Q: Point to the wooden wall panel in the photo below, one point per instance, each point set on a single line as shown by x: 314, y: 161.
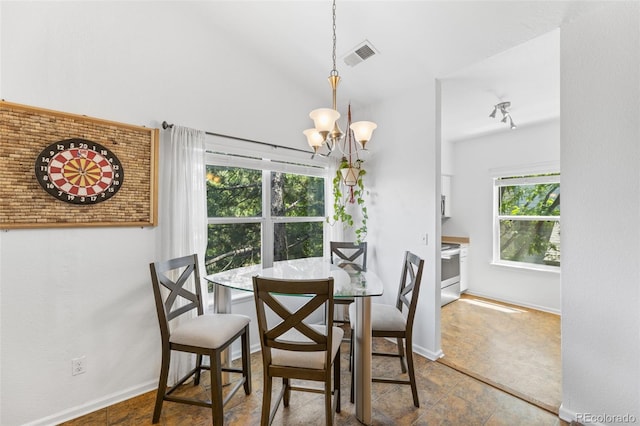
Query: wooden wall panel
x: 25, y: 131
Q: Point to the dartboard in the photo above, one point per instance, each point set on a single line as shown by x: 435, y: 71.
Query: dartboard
x: 79, y: 171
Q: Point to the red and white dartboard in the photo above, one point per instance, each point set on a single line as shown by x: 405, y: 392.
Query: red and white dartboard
x: 79, y: 171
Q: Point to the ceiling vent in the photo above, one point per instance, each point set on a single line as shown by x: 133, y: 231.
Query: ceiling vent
x: 360, y: 53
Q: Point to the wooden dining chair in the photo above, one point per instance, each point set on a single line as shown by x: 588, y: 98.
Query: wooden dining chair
x: 348, y: 255
x: 198, y: 333
x: 389, y: 321
x: 292, y: 348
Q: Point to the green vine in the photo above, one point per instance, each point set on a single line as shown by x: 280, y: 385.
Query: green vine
x: 350, y: 195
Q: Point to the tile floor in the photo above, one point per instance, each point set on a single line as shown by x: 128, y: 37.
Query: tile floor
x: 447, y: 397
x: 513, y: 348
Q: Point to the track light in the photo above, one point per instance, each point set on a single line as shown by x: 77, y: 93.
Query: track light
x: 506, y: 116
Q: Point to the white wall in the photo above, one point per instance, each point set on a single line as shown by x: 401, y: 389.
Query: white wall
x: 122, y: 61
x: 475, y: 161
x: 600, y: 109
x: 73, y: 292
x: 403, y: 174
x: 447, y: 161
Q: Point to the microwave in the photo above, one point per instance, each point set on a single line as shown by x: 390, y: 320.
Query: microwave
x: 444, y: 208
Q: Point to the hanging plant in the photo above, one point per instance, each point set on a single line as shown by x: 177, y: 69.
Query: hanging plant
x: 348, y: 188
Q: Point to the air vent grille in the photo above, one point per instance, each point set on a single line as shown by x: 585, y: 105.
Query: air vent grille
x: 360, y: 53
x: 365, y: 51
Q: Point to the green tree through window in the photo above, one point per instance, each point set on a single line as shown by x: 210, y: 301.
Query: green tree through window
x: 297, y: 196
x: 239, y: 223
x: 529, y: 219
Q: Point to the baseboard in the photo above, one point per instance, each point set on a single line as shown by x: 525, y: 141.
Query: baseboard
x: 430, y: 355
x: 512, y: 302
x: 566, y: 414
x: 575, y: 418
x: 96, y: 404
x: 114, y: 398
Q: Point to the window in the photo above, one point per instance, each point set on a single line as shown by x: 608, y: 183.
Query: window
x: 527, y: 221
x: 234, y: 208
x: 260, y: 211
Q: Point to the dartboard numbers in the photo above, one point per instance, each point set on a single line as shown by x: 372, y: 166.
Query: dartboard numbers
x: 79, y: 171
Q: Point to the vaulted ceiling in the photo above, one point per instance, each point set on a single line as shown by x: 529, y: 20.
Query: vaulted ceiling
x: 483, y: 51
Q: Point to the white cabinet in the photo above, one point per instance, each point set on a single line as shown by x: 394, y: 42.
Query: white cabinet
x: 464, y: 269
x: 445, y: 206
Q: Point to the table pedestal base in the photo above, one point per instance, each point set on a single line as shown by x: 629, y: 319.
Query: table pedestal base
x: 362, y: 359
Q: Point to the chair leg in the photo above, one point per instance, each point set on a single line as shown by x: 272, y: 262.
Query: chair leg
x: 403, y: 362
x: 350, y: 349
x: 351, y: 398
x: 196, y: 378
x: 162, y: 384
x: 328, y: 405
x: 246, y: 361
x: 216, y: 388
x: 412, y: 374
x: 336, y: 381
x: 266, y: 399
x: 286, y: 385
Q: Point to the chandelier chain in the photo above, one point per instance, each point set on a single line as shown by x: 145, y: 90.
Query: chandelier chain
x: 326, y: 130
x: 334, y: 71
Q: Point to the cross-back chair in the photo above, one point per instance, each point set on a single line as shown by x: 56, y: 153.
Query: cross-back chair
x: 390, y: 321
x: 197, y: 333
x: 348, y: 255
x: 292, y: 347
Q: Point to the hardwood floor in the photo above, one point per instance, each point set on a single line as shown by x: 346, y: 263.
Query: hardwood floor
x: 513, y: 348
x: 447, y: 397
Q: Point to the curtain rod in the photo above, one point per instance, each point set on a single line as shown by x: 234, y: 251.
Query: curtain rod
x: 166, y: 125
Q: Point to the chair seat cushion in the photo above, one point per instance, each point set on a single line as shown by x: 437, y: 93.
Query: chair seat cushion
x: 313, y: 360
x: 383, y: 317
x: 208, y: 331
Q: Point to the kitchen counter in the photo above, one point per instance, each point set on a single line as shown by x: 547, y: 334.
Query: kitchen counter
x: 458, y: 240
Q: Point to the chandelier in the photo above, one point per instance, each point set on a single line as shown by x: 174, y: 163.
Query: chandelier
x: 326, y: 130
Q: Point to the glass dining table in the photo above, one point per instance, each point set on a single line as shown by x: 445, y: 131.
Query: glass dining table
x: 348, y: 283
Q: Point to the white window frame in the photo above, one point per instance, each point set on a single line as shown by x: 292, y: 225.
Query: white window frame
x: 524, y: 177
x: 222, y: 153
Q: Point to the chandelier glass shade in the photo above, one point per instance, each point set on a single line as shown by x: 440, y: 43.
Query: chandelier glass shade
x: 362, y: 131
x: 324, y: 120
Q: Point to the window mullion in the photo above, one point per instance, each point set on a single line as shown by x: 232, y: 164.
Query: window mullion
x: 294, y: 219
x: 536, y: 218
x: 233, y: 220
x: 267, y: 224
x: 529, y: 180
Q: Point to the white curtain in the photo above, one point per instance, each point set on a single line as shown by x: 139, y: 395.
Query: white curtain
x: 183, y: 206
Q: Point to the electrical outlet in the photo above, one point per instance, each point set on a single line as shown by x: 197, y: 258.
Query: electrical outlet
x: 78, y: 366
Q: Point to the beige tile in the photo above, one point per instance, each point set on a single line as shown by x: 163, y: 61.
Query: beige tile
x: 517, y: 350
x: 447, y: 396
